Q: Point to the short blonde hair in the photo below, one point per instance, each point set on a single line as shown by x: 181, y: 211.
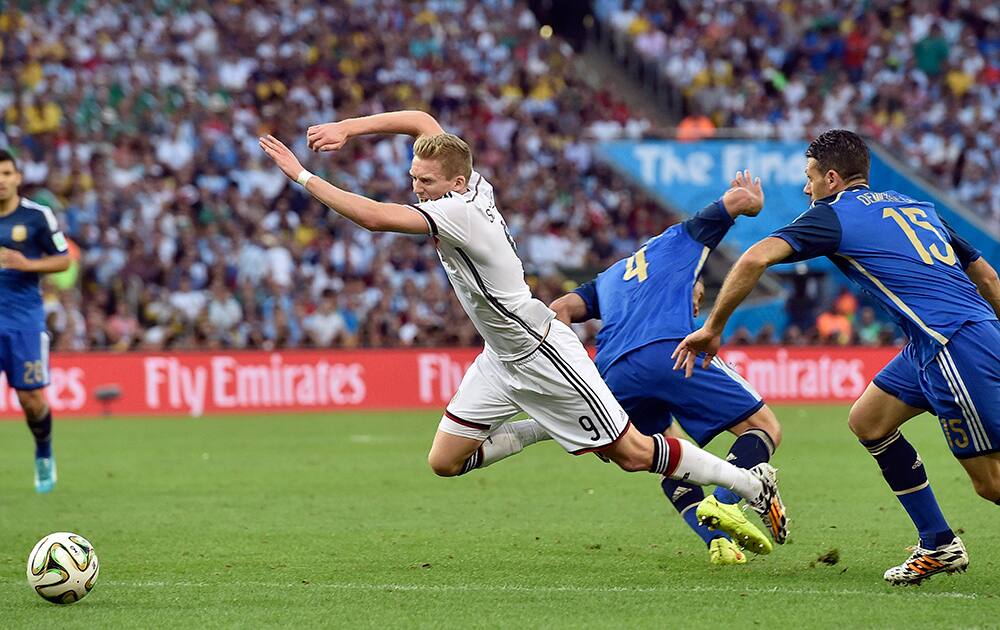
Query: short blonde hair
x: 453, y: 153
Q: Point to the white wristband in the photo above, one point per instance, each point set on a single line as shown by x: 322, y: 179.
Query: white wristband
x: 304, y: 177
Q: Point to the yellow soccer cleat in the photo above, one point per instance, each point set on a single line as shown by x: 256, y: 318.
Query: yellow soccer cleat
x: 730, y: 519
x: 724, y: 551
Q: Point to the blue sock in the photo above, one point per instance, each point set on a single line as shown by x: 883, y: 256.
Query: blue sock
x: 751, y: 448
x: 42, y: 430
x: 685, y: 497
x: 905, y: 474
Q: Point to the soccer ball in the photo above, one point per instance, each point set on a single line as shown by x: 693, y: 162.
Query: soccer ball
x: 62, y: 567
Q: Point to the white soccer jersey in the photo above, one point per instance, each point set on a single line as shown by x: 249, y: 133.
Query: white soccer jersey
x: 480, y: 258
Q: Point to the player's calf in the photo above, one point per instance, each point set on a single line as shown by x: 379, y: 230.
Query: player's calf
x: 904, y: 471
x: 39, y: 419
x: 679, y: 459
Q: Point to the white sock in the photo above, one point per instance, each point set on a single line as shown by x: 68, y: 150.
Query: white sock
x: 702, y: 468
x: 510, y: 439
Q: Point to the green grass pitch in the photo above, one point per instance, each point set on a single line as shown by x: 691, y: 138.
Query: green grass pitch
x: 336, y: 521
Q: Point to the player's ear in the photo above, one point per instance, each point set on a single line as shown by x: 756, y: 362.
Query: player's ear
x: 460, y: 184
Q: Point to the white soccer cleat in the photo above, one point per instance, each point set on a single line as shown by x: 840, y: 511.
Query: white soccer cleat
x: 923, y: 563
x: 768, y: 504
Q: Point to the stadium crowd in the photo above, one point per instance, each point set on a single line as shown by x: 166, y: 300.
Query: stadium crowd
x: 137, y: 122
x: 921, y: 76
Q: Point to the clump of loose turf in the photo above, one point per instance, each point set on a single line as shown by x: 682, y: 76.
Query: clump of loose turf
x: 830, y: 557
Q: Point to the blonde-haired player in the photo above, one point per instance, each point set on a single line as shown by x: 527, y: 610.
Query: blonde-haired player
x: 531, y: 361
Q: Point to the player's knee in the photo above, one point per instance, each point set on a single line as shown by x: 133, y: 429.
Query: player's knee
x: 33, y: 404
x: 443, y: 466
x: 988, y: 488
x: 862, y: 425
x: 630, y: 460
x: 630, y: 451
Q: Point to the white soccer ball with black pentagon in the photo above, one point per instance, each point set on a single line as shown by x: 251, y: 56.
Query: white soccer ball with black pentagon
x: 62, y: 567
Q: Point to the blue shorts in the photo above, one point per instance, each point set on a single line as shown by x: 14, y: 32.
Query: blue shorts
x: 961, y: 386
x: 24, y: 358
x: 652, y: 392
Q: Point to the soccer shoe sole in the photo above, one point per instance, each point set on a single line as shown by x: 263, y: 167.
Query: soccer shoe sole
x: 724, y: 552
x: 917, y: 580
x: 730, y: 519
x: 923, y: 578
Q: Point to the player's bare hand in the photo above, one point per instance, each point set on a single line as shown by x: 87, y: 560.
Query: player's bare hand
x: 327, y: 137
x: 282, y: 156
x: 686, y: 353
x: 13, y: 259
x: 745, y: 195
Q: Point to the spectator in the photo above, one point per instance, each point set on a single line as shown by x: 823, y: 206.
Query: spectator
x: 122, y: 328
x: 834, y: 328
x: 324, y: 326
x: 224, y: 313
x: 695, y: 126
x: 869, y: 330
x: 187, y: 301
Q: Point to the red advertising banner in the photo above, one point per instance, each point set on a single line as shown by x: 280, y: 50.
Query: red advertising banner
x: 197, y: 383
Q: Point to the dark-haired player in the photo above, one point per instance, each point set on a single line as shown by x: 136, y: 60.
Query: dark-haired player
x: 943, y: 295
x: 30, y: 244
x: 645, y: 302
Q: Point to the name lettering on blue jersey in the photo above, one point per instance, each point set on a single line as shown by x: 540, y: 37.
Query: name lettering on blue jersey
x: 869, y: 198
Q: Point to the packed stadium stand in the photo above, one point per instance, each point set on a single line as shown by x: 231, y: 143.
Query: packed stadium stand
x: 138, y: 123
x: 922, y: 77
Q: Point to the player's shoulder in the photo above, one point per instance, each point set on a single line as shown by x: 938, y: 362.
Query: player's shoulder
x: 43, y: 212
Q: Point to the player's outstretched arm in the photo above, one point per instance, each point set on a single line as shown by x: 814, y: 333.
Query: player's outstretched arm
x: 987, y: 282
x: 368, y: 213
x: 570, y: 308
x: 13, y: 259
x: 738, y: 284
x: 334, y: 135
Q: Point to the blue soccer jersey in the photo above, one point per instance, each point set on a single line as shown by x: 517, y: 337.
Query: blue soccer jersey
x: 645, y: 302
x: 31, y: 229
x: 648, y: 297
x: 901, y: 253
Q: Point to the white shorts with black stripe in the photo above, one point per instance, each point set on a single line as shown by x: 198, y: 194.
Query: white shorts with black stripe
x: 557, y: 385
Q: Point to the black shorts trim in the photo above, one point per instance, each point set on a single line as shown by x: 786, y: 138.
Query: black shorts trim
x: 467, y: 423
